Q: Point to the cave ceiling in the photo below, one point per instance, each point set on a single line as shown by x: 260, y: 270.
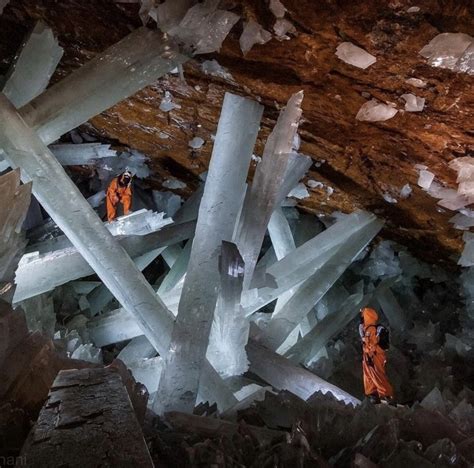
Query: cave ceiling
x: 360, y: 161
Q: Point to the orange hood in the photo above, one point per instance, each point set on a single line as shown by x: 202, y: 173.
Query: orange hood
x: 370, y: 316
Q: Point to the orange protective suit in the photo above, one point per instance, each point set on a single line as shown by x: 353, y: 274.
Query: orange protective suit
x: 116, y: 194
x: 374, y: 359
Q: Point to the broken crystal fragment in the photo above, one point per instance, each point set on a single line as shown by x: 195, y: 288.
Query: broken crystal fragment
x: 170, y: 13
x: 413, y: 9
x: 167, y: 103
x: 212, y: 67
x: 314, y: 184
x: 416, y: 82
x: 465, y: 63
x: 277, y: 8
x: 282, y: 27
x: 375, y: 111
x: 223, y: 194
x: 299, y: 192
x: 167, y: 202
x: 464, y: 166
x: 413, y: 103
x: 196, y: 143
x: 204, y: 27
x: 253, y: 34
x: 354, y: 55
x: 33, y: 66
x: 425, y: 179
x: 405, y: 191
x: 88, y: 352
x: 174, y: 184
x: 388, y: 198
x: 446, y: 49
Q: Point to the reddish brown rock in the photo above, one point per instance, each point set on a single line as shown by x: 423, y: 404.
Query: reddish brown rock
x: 363, y: 160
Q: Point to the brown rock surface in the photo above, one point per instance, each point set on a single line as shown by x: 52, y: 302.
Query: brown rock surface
x: 362, y: 160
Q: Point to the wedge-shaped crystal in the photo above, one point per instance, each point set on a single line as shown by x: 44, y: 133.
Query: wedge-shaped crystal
x: 354, y: 55
x: 33, y: 66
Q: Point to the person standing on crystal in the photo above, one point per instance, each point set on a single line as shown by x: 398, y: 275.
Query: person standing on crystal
x: 376, y: 384
x: 119, y: 191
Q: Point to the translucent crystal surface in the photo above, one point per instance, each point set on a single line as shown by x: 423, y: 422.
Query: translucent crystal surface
x: 413, y: 103
x: 450, y: 50
x: 230, y: 328
x: 49, y: 265
x: 33, y: 66
x: 425, y: 179
x: 83, y: 154
x: 354, y: 55
x: 123, y: 69
x: 313, y: 289
x: 266, y: 193
x: 277, y: 8
x: 375, y: 111
x: 204, y: 27
x: 253, y: 34
x: 223, y: 192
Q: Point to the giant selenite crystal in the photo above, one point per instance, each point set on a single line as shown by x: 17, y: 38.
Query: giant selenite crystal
x: 122, y: 70
x: 262, y: 197
x: 44, y: 267
x: 303, y: 262
x: 13, y: 209
x: 230, y: 328
x: 223, y: 193
x: 33, y: 66
x: 71, y: 212
x: 285, y: 320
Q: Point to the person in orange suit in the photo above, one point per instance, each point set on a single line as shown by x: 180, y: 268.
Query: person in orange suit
x: 119, y: 191
x: 376, y: 384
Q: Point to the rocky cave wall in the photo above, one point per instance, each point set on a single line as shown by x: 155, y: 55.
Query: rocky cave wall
x: 361, y: 161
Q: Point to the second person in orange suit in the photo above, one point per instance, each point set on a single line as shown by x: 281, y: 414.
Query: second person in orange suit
x: 119, y: 191
x: 376, y: 384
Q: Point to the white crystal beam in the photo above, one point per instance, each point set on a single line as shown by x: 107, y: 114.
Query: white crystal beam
x: 71, y: 212
x: 309, y: 293
x: 284, y: 375
x: 123, y: 69
x: 263, y: 196
x: 304, y: 261
x: 225, y: 185
x: 33, y: 66
x: 46, y: 268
